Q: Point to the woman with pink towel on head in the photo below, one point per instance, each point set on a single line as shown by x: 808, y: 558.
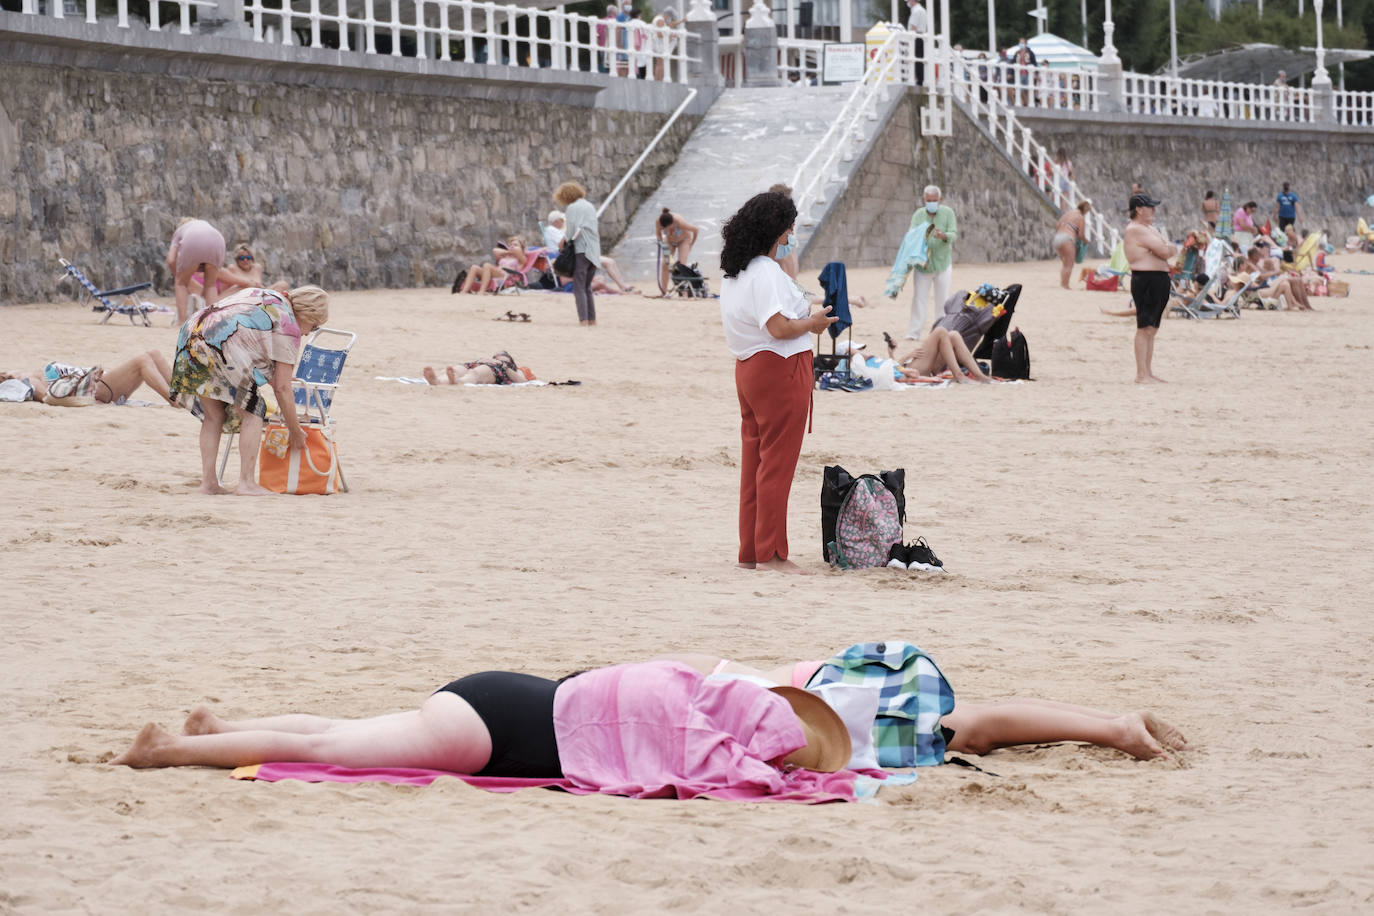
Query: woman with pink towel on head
x: 196, y: 246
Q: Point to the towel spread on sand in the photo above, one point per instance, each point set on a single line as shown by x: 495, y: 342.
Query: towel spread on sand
x: 411, y: 380
x: 861, y: 787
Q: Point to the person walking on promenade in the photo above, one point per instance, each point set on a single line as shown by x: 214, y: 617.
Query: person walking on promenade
x: 935, y: 274
x: 1148, y: 253
x: 768, y: 325
x: 579, y: 217
x: 1287, y: 210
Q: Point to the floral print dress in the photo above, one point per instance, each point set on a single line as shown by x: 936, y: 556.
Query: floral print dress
x: 226, y: 350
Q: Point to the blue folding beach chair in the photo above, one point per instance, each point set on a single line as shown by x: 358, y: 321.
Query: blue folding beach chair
x: 132, y: 305
x: 314, y: 384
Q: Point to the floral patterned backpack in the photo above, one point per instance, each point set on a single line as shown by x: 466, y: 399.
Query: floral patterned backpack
x: 868, y: 521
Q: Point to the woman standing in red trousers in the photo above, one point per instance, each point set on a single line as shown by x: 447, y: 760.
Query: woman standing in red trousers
x: 768, y: 326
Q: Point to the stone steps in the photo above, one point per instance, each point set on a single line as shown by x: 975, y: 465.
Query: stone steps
x: 748, y: 140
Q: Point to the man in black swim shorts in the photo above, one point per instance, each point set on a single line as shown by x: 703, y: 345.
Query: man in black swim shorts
x: 1147, y: 251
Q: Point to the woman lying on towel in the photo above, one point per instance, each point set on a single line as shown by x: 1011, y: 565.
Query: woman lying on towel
x: 498, y: 370
x: 662, y: 718
x: 940, y: 350
x: 113, y: 386
x: 970, y: 728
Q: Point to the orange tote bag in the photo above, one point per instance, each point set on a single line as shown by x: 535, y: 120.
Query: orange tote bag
x: 313, y: 469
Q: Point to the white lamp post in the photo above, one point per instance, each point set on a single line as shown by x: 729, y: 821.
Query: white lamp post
x: 1083, y: 11
x: 1173, y: 41
x: 1321, y: 77
x: 1340, y: 23
x: 1109, y: 55
x: 992, y: 28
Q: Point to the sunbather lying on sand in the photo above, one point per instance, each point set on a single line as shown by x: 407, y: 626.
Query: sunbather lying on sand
x: 502, y: 724
x: 980, y: 728
x: 498, y: 370
x: 940, y: 350
x: 113, y: 385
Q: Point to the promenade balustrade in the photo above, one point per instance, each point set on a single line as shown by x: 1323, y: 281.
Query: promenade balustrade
x: 464, y: 30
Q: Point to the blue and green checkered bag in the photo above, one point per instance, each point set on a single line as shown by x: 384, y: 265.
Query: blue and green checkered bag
x: 913, y: 696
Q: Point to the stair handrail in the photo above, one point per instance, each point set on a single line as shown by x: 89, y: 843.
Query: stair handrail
x: 672, y: 118
x: 1019, y: 142
x: 808, y: 182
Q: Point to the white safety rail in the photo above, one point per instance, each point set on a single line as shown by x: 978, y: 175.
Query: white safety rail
x: 801, y: 56
x: 1045, y: 87
x: 795, y: 55
x: 1355, y: 108
x: 56, y: 9
x: 477, y: 32
x: 1168, y: 97
x: 838, y: 145
x: 986, y: 106
x: 473, y: 32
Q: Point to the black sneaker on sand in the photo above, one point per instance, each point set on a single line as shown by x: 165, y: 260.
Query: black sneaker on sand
x: 897, y: 556
x: 920, y: 556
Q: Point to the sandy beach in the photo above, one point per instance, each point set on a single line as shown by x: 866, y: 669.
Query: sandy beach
x: 1200, y: 549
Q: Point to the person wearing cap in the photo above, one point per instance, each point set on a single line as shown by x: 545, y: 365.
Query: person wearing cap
x: 1148, y: 253
x: 934, y: 275
x: 650, y: 729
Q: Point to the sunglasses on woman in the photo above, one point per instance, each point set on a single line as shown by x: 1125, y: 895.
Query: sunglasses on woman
x: 244, y: 257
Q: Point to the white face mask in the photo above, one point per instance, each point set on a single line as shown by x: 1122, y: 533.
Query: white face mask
x: 932, y: 206
x: 786, y: 247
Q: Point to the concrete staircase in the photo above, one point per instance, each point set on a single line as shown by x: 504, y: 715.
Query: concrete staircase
x: 749, y: 139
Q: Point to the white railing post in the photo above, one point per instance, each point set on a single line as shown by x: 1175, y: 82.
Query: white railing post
x: 154, y: 15
x: 369, y: 27
x: 123, y: 13
x: 395, y: 28
x: 421, y: 32
x: 315, y: 24
x: 469, y: 55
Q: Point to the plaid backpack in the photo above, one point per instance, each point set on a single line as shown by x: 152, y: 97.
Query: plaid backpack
x: 913, y: 696
x: 868, y: 520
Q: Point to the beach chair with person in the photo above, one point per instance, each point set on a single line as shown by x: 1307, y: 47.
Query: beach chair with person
x: 1202, y: 303
x: 314, y: 384
x: 132, y: 303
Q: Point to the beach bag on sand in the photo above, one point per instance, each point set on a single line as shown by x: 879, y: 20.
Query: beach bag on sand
x: 566, y: 262
x: 1106, y: 284
x: 861, y: 517
x: 1011, y: 357
x: 73, y: 390
x: 313, y: 469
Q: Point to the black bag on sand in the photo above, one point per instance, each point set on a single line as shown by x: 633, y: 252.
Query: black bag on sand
x: 566, y: 262
x: 458, y: 281
x: 836, y: 484
x: 1011, y: 358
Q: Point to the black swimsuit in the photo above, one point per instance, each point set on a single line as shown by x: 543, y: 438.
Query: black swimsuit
x: 517, y: 710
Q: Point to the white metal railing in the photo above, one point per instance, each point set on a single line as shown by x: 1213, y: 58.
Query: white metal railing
x: 672, y: 119
x: 1355, y: 108
x: 1031, y: 86
x: 821, y: 166
x: 801, y: 56
x: 987, y: 106
x: 1191, y: 98
x: 467, y: 30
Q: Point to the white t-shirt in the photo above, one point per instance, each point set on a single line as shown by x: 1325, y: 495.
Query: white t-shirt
x: 747, y: 301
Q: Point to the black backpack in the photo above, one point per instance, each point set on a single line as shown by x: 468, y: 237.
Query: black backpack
x: 689, y: 281
x: 836, y: 484
x: 1011, y: 358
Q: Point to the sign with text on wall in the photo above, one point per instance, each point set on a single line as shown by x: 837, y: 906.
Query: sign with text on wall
x: 843, y: 62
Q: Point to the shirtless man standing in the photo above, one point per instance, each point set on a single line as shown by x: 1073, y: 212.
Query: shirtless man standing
x: 1147, y: 251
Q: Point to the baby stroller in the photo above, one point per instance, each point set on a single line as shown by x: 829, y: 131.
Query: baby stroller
x: 683, y: 280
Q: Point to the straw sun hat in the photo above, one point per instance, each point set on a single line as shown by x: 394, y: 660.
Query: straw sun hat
x: 827, y: 740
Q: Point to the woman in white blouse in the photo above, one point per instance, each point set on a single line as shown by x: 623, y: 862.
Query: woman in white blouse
x: 768, y: 326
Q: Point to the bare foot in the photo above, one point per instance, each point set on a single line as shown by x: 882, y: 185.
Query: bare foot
x: 212, y: 489
x: 1163, y: 732
x: 146, y: 749
x: 777, y: 564
x: 1135, y: 739
x: 430, y: 375
x: 1067, y: 286
x: 746, y: 564
x: 247, y: 488
x: 452, y: 374
x: 202, y: 721
x: 1146, y: 380
x: 1157, y: 380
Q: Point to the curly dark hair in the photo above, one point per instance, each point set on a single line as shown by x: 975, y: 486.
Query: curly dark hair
x: 753, y: 230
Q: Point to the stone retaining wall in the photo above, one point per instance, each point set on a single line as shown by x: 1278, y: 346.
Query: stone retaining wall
x: 1002, y: 217
x: 348, y: 186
